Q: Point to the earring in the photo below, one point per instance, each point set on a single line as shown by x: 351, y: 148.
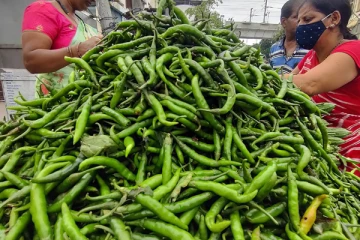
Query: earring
x: 332, y: 25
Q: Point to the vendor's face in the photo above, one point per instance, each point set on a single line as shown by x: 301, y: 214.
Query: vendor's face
x: 308, y: 14
x: 290, y: 24
x: 81, y: 5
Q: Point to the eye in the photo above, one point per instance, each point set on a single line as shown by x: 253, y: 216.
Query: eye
x: 309, y: 19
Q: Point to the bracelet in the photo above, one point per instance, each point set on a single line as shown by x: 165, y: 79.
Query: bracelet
x: 70, y: 51
x: 78, y: 53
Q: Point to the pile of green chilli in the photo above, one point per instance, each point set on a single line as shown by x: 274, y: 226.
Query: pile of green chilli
x: 172, y: 130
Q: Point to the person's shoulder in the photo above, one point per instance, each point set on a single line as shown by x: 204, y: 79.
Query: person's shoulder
x: 349, y: 47
x: 351, y: 44
x: 277, y: 44
x: 41, y: 16
x: 310, y: 53
x: 303, y: 50
x: 39, y: 6
x: 276, y: 47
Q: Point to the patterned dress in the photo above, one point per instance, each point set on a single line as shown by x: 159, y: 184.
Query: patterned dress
x: 42, y: 16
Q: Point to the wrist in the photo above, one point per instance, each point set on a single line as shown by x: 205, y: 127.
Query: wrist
x: 71, y: 51
x: 80, y: 49
x: 78, y: 53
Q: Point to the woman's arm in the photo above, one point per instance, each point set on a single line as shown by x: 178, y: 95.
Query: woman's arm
x: 336, y: 71
x: 37, y: 56
x: 296, y: 71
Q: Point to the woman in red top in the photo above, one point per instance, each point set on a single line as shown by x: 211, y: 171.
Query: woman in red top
x: 330, y: 72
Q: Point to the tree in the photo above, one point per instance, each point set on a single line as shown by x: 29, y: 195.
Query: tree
x: 265, y: 44
x: 279, y: 34
x: 206, y: 10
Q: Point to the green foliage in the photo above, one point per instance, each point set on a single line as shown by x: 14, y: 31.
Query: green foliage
x: 265, y: 44
x: 206, y: 10
x: 279, y: 35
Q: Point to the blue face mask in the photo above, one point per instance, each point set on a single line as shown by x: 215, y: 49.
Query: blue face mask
x: 308, y: 35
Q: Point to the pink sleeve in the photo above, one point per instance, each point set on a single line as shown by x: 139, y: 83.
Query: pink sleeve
x: 352, y: 48
x: 302, y: 62
x: 41, y: 16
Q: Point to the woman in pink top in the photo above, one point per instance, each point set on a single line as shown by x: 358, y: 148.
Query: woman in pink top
x: 51, y: 30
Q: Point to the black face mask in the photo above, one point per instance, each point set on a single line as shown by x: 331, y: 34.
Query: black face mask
x: 308, y: 35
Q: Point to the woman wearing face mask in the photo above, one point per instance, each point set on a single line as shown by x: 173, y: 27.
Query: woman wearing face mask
x: 51, y: 31
x: 330, y: 72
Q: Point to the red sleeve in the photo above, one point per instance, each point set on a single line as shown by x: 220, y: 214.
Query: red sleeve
x: 41, y: 16
x: 352, y: 48
x: 302, y: 62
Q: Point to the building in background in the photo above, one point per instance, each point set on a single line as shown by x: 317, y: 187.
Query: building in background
x: 354, y: 23
x: 132, y: 4
x: 91, y: 15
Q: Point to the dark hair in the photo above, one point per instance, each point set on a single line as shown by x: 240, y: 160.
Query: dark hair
x: 289, y: 7
x: 329, y: 6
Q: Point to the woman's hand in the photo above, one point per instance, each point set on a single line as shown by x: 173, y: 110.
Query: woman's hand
x: 40, y: 58
x: 88, y: 44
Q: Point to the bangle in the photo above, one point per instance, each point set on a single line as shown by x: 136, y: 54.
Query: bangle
x: 78, y: 53
x: 70, y: 51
